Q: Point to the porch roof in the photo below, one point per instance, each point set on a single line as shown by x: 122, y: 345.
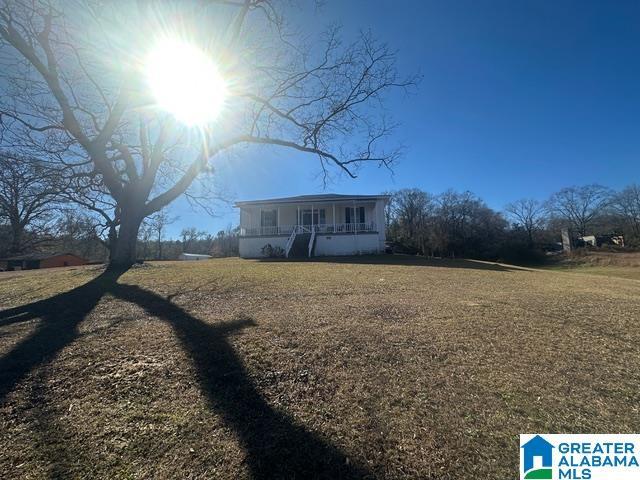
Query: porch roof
x: 329, y: 197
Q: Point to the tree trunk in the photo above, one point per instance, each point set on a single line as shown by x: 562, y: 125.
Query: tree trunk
x: 582, y: 228
x: 16, y: 238
x: 124, y: 253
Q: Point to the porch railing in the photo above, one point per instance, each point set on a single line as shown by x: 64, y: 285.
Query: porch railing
x: 322, y: 229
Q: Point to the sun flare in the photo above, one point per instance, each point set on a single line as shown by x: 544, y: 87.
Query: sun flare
x: 185, y: 82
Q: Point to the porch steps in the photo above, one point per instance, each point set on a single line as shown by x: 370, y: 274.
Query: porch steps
x: 300, y: 247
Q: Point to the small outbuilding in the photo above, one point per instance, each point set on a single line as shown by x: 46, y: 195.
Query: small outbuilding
x: 193, y: 256
x: 34, y: 261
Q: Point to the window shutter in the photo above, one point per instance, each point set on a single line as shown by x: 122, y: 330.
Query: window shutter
x: 361, y: 212
x: 347, y: 215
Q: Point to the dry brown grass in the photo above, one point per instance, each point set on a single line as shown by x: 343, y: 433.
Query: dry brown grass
x: 382, y: 368
x: 600, y: 262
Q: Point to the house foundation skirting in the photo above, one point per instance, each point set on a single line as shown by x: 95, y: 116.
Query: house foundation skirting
x: 327, y: 244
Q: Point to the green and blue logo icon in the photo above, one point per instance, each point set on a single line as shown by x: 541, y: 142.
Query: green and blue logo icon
x: 536, y: 459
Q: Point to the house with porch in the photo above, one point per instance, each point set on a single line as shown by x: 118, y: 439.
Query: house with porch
x: 313, y: 225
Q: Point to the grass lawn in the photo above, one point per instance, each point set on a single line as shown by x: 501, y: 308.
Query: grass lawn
x: 630, y: 273
x: 388, y: 367
x: 610, y: 264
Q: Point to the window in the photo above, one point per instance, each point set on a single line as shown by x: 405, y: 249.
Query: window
x: 319, y: 217
x: 269, y: 218
x: 354, y: 215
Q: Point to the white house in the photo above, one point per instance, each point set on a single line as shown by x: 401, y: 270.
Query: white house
x: 313, y: 225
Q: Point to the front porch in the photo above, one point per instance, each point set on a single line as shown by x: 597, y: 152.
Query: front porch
x: 320, y: 219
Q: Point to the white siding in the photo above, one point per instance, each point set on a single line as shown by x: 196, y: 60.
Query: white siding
x: 288, y: 215
x: 344, y: 244
x: 250, y: 247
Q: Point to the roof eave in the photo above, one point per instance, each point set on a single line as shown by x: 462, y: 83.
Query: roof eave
x: 317, y: 200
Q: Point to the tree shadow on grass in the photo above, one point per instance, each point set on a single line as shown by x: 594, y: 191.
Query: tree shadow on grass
x: 403, y: 260
x: 275, y: 446
x: 57, y: 453
x: 59, y: 317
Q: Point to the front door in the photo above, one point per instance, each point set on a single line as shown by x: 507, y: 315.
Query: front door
x: 318, y: 217
x: 354, y: 215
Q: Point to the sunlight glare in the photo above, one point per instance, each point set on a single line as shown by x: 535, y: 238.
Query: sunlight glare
x: 185, y: 82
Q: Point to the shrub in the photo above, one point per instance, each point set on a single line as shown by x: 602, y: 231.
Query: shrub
x: 270, y: 251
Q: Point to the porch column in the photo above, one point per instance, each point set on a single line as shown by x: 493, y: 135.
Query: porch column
x: 355, y: 217
x: 278, y: 221
x: 312, y: 217
x: 334, y: 217
x: 298, y: 216
x: 355, y: 230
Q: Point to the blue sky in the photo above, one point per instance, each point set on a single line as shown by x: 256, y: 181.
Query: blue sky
x: 518, y: 99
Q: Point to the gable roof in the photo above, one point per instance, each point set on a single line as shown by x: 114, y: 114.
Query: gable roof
x: 537, y: 442
x: 328, y: 197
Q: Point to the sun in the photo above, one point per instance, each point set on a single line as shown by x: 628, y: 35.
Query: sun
x: 185, y: 82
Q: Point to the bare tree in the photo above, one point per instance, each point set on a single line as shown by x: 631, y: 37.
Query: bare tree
x: 527, y: 213
x: 580, y: 206
x: 102, y: 210
x: 409, y: 212
x: 225, y: 244
x: 75, y: 91
x: 158, y: 222
x: 464, y: 225
x: 76, y: 231
x: 189, y: 237
x: 627, y: 204
x: 28, y: 200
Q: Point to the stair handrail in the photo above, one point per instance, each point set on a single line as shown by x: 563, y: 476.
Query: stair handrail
x: 311, y: 240
x: 290, y: 241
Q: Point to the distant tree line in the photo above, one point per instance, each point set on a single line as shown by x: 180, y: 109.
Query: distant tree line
x: 460, y: 224
x: 71, y: 231
x: 153, y: 246
x: 41, y: 210
x: 450, y: 224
